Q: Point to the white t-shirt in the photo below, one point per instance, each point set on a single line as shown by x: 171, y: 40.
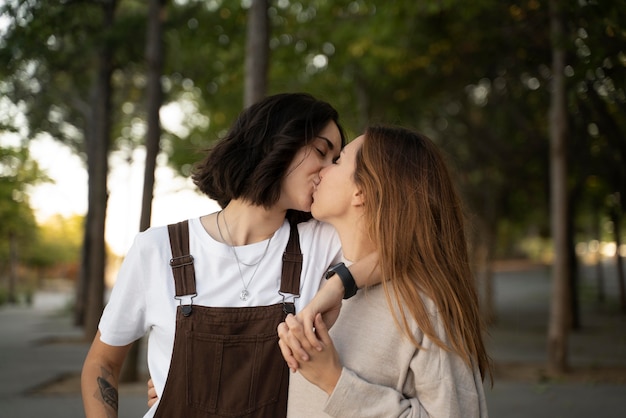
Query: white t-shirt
x: 143, y: 300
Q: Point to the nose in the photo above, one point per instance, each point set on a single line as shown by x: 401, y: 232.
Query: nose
x: 323, y: 171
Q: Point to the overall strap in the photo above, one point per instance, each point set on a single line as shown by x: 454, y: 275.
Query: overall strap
x: 184, y: 273
x: 182, y: 261
x: 292, y: 263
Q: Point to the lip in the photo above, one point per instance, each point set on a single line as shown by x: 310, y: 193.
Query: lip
x: 315, y: 188
x: 316, y: 184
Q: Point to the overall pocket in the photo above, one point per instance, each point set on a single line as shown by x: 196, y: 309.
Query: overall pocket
x: 240, y: 373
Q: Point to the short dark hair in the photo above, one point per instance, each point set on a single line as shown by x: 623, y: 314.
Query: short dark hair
x: 252, y: 159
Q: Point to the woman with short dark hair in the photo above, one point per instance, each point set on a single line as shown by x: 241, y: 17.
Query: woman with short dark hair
x: 212, y: 290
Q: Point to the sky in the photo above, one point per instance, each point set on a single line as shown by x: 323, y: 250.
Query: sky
x: 175, y: 198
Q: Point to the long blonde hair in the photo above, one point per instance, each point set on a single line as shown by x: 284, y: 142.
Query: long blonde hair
x: 416, y: 222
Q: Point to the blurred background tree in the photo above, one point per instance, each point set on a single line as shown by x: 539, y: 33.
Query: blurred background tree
x: 476, y: 77
x: 18, y: 227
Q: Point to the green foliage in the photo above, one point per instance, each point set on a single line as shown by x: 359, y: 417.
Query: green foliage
x: 17, y: 172
x: 50, y: 50
x: 47, y: 67
x: 58, y: 242
x: 205, y: 46
x: 475, y: 76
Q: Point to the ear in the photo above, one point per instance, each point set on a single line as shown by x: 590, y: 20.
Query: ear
x: 358, y: 197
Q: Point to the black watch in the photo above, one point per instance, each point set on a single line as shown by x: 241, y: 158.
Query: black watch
x: 346, y: 278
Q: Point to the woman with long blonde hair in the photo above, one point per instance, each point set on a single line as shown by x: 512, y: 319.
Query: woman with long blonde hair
x: 412, y: 346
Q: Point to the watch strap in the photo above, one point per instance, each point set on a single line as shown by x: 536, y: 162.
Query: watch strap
x: 344, y: 274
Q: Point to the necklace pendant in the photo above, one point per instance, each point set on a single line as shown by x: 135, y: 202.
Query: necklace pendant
x: 244, y: 295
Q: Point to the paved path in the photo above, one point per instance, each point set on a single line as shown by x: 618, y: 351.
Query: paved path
x: 39, y: 345
x: 597, y: 353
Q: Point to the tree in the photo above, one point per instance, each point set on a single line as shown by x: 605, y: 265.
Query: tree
x: 56, y: 246
x: 51, y: 75
x: 18, y: 225
x: 98, y: 145
x: 257, y: 52
x: 482, y: 93
x: 559, y: 315
x: 154, y: 99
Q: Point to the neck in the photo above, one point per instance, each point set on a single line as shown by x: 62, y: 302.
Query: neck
x: 355, y: 242
x: 248, y: 223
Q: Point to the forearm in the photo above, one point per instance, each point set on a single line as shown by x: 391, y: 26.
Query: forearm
x: 100, y: 380
x: 99, y: 387
x: 328, y: 299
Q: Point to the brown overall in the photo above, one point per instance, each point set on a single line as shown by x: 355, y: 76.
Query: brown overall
x: 226, y: 361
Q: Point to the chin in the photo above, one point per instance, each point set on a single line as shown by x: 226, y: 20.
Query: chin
x: 303, y: 208
x: 314, y: 212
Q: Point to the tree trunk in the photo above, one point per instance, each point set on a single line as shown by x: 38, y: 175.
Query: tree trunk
x: 97, y: 167
x: 616, y: 217
x: 257, y: 52
x: 483, y: 253
x: 82, y: 284
x: 573, y: 272
x: 598, y: 256
x: 154, y: 99
x: 12, y: 291
x: 154, y: 94
x: 558, y: 322
x: 572, y: 259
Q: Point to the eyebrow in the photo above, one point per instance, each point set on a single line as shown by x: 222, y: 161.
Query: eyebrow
x: 331, y: 146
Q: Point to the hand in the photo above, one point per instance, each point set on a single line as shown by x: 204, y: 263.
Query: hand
x: 285, y: 347
x: 152, y: 395
x: 296, y: 330
x: 321, y: 367
x: 326, y: 302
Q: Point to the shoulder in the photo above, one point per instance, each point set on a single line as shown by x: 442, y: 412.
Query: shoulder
x: 153, y: 240
x: 151, y: 236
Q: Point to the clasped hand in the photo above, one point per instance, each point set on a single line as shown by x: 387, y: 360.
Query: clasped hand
x: 310, y: 350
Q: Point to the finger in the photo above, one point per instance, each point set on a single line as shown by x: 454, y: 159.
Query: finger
x: 304, y: 329
x: 282, y: 329
x: 289, y: 345
x: 283, y: 334
x: 296, y: 338
x: 322, y: 330
x: 311, y: 334
x: 291, y: 361
x: 152, y: 397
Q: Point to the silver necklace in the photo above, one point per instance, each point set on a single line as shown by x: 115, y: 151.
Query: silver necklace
x: 244, y: 295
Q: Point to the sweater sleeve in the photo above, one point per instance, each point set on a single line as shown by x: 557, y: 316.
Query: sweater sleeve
x: 355, y: 397
x: 437, y: 384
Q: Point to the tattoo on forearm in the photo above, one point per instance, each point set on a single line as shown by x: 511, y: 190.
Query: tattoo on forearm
x: 108, y: 392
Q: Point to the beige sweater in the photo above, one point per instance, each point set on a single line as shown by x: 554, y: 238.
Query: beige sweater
x: 385, y: 375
